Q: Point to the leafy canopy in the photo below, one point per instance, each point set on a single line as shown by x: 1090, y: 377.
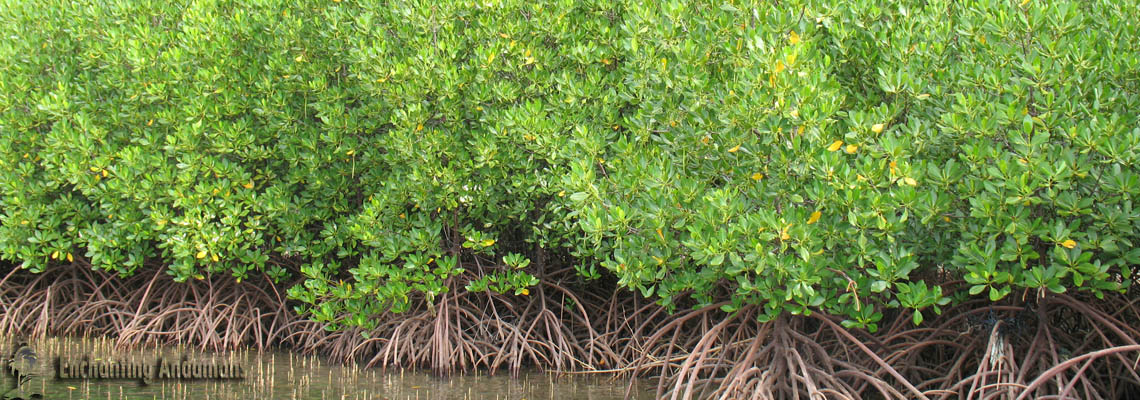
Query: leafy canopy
x: 836, y: 156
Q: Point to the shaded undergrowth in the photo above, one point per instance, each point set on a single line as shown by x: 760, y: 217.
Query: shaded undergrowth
x: 1057, y: 346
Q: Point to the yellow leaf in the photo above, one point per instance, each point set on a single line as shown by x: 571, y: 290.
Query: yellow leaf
x: 945, y: 218
x: 757, y: 176
x: 705, y: 140
x: 835, y: 145
x: 851, y: 149
x: 491, y: 58
x: 780, y: 66
x: 104, y: 173
x: 95, y: 169
x: 70, y: 258
x: 525, y: 292
x: 247, y: 185
x: 214, y: 257
x: 350, y: 152
x: 800, y: 130
x: 299, y: 58
x: 910, y: 181
x: 487, y: 242
x: 894, y: 166
x: 402, y: 216
x: 150, y: 122
x: 660, y: 235
x: 814, y: 217
x: 55, y: 255
x: 877, y: 128
x: 1023, y: 3
x: 664, y: 62
x: 659, y: 260
x: 794, y: 38
x: 200, y: 255
x: 1069, y: 244
x: 734, y: 149
x: 419, y: 127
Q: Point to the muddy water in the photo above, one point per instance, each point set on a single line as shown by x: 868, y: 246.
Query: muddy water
x: 61, y: 363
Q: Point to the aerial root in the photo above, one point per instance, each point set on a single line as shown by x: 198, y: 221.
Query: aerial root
x: 1059, y: 346
x: 737, y: 357
x: 151, y: 308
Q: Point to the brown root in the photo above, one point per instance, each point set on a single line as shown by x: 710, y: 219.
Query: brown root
x: 1058, y: 346
x: 217, y: 313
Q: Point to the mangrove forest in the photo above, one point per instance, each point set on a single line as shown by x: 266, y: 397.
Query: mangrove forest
x: 733, y: 199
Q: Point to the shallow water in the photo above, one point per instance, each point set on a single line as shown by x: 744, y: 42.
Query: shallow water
x: 282, y: 375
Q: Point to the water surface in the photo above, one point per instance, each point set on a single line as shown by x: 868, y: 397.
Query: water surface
x: 284, y: 375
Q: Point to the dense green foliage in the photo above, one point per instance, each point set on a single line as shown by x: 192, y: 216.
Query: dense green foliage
x: 838, y: 156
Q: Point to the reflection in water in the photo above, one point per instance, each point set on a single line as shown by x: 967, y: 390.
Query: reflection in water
x: 284, y: 375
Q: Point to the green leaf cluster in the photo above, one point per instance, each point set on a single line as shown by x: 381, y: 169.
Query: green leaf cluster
x: 848, y: 157
x: 821, y: 155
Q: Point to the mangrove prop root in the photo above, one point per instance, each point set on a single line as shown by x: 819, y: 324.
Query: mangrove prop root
x: 1059, y: 346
